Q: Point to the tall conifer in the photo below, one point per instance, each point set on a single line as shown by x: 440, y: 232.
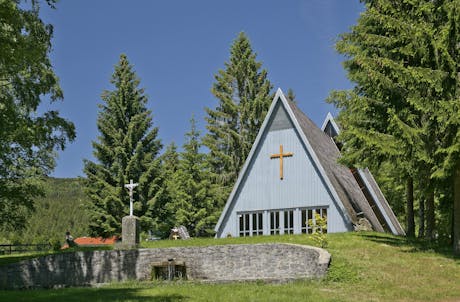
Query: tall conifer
x: 448, y: 111
x: 127, y: 148
x: 165, y: 216
x: 403, y: 57
x: 244, y: 95
x: 193, y: 195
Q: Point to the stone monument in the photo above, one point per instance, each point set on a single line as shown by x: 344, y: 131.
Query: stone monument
x: 130, y: 229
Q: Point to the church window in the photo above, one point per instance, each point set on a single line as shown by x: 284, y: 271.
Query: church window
x: 244, y: 224
x: 251, y: 224
x: 257, y: 224
x: 307, y: 215
x: 288, y: 221
x: 274, y: 222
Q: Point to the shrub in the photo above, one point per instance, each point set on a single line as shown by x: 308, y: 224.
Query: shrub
x: 55, y: 244
x: 319, y: 230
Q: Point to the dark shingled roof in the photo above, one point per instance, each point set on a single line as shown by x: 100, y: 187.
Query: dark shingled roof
x: 340, y: 176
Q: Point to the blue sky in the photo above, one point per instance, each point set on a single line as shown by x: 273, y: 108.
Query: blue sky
x: 176, y: 47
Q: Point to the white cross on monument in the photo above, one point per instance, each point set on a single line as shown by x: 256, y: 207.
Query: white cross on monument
x: 131, y: 187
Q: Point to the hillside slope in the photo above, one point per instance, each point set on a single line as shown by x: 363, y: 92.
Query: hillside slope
x: 60, y: 210
x: 364, y: 267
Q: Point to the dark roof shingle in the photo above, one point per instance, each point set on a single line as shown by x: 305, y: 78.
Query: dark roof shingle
x: 340, y: 176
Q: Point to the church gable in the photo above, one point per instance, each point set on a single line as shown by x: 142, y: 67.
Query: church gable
x: 280, y: 184
x: 280, y: 120
x: 292, y: 173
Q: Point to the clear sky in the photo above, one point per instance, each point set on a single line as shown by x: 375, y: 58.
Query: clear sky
x: 176, y: 47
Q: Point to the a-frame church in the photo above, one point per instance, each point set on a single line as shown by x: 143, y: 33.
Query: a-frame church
x: 292, y: 173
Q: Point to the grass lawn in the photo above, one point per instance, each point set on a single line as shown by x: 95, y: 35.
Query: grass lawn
x: 365, y: 267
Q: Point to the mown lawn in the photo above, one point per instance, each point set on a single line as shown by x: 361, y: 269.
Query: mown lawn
x: 365, y: 267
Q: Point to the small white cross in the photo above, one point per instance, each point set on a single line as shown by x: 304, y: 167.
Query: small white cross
x: 131, y: 187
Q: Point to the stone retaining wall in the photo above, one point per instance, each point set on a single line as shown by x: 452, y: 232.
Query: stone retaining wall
x: 241, y: 262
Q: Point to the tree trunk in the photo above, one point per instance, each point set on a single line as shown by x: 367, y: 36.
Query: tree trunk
x: 430, y: 218
x: 456, y: 220
x: 410, y: 207
x: 421, y: 228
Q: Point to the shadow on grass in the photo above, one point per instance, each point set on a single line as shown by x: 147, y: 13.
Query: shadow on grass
x: 414, y: 245
x: 91, y: 294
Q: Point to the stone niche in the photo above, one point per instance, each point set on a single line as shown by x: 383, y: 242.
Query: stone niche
x: 169, y: 270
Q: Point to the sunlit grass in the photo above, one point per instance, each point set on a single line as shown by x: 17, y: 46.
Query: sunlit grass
x: 365, y: 267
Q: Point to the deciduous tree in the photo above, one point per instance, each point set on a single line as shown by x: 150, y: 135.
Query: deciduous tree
x: 28, y: 137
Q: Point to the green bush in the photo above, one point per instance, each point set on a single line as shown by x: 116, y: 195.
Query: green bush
x: 55, y: 245
x: 319, y: 230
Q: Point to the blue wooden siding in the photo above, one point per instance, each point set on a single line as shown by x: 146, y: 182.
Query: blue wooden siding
x: 302, y: 187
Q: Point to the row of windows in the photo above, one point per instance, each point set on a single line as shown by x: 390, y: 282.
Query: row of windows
x: 309, y: 214
x: 252, y: 223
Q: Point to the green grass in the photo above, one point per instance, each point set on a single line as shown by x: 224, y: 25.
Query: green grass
x: 365, y: 267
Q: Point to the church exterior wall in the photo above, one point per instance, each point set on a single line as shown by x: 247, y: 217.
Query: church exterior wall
x: 302, y: 187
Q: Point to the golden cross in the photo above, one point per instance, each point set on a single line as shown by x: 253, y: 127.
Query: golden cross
x: 280, y: 156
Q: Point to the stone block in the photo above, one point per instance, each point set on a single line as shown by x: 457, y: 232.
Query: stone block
x: 130, y: 231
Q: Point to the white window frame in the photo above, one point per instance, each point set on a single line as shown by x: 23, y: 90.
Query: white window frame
x: 309, y: 214
x: 246, y: 219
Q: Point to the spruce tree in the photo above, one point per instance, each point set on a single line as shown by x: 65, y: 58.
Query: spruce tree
x: 127, y: 148
x: 165, y: 216
x: 193, y: 204
x: 401, y: 56
x: 244, y: 95
x: 448, y: 109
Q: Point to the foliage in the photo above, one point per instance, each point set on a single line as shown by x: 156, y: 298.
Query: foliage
x: 127, y: 148
x: 165, y: 218
x: 55, y: 245
x: 392, y: 186
x: 319, y: 230
x: 364, y: 267
x: 193, y: 204
x: 63, y: 205
x: 401, y: 55
x: 28, y: 137
x: 243, y: 93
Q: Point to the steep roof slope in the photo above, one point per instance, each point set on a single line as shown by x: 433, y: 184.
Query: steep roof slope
x: 340, y: 176
x: 374, y: 195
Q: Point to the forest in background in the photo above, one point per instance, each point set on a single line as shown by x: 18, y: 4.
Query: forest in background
x: 401, y: 120
x: 60, y: 210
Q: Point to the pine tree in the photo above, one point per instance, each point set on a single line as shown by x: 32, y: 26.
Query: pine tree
x: 193, y: 204
x: 127, y: 148
x: 244, y: 95
x: 165, y: 218
x: 448, y: 111
x: 387, y: 117
x: 291, y: 95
